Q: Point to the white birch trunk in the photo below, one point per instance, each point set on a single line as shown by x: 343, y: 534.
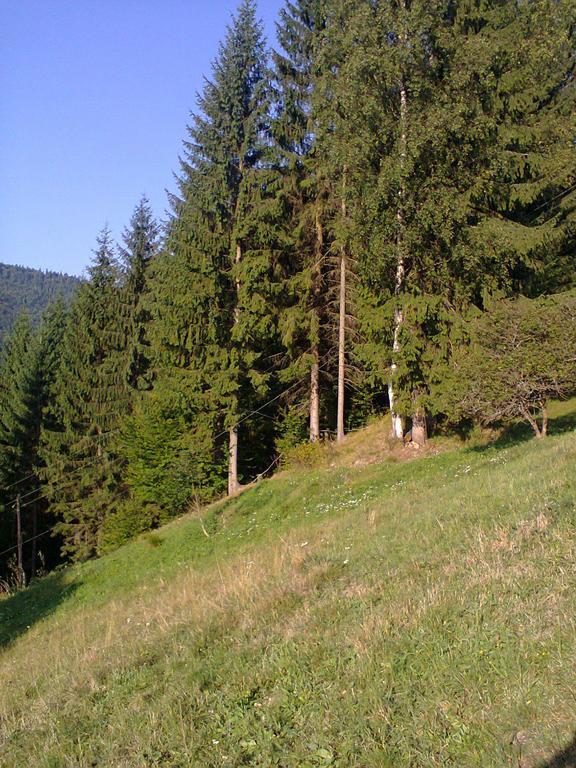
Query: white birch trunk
x: 233, y: 484
x: 315, y: 371
x: 315, y: 398
x: 342, y: 329
x: 341, y: 351
x: 397, y: 421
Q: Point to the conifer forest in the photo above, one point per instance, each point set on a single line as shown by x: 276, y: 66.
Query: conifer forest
x: 30, y: 290
x: 374, y: 213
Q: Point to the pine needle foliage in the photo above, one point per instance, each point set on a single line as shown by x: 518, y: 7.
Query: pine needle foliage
x: 91, y: 395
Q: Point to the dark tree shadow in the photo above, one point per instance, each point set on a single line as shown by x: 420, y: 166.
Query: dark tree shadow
x: 520, y: 432
x: 23, y: 609
x: 565, y: 758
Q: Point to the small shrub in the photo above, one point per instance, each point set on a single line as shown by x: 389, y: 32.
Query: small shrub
x: 125, y: 522
x: 292, y: 429
x: 305, y: 456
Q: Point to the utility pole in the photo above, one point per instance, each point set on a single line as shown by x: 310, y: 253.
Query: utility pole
x: 21, y: 577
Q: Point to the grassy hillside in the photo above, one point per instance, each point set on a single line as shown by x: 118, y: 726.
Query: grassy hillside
x: 364, y: 613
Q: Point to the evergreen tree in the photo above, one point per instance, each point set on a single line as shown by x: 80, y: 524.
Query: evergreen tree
x: 303, y: 318
x: 212, y: 287
x: 17, y: 426
x: 338, y: 156
x: 15, y: 419
x: 437, y: 92
x: 29, y: 365
x: 523, y: 205
x: 82, y: 471
x: 141, y: 243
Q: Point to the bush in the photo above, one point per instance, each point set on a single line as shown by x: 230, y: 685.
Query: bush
x: 305, y: 455
x: 521, y: 354
x: 293, y: 429
x: 125, y: 522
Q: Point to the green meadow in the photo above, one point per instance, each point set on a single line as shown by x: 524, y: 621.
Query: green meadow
x: 364, y: 612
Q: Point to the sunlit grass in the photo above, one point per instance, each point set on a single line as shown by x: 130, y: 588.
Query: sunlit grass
x: 386, y: 614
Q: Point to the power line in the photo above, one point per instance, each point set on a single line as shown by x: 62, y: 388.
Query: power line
x: 33, y: 474
x: 100, y: 458
x: 66, y: 485
x: 257, y: 410
x: 560, y: 194
x: 114, y: 461
x: 22, y: 480
x: 220, y: 434
x: 33, y: 538
x: 57, y: 482
x: 113, y: 431
x: 39, y: 535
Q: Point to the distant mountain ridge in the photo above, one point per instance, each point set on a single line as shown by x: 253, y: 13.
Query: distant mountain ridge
x: 32, y: 290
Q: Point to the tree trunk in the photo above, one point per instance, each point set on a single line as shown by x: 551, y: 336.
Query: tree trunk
x: 233, y: 484
x: 237, y: 260
x: 315, y: 371
x: 34, y: 542
x: 342, y: 328
x: 533, y: 423
x: 315, y: 397
x: 397, y: 421
x: 419, y: 431
x: 341, y: 351
x: 544, y: 428
x: 20, y: 560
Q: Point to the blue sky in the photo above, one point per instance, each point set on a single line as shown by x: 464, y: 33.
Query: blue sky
x: 94, y: 99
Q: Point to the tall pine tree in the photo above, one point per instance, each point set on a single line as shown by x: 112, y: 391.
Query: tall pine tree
x: 446, y: 100
x: 212, y: 287
x: 82, y: 473
x: 303, y: 191
x: 27, y: 374
x: 140, y: 245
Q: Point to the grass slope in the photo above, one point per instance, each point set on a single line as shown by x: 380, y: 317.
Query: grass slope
x: 396, y: 614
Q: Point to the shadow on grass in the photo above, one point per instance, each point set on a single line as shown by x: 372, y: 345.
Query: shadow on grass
x: 23, y: 609
x: 520, y: 432
x: 566, y: 758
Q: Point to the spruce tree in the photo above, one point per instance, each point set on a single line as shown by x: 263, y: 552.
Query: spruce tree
x: 523, y: 205
x: 212, y: 287
x: 338, y: 157
x: 29, y: 365
x: 303, y: 318
x: 15, y: 421
x: 447, y: 102
x: 17, y: 426
x: 140, y: 245
x: 82, y: 467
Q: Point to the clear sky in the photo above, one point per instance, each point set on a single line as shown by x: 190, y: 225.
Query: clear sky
x: 95, y: 96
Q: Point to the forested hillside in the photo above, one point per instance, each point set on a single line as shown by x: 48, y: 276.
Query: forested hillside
x: 374, y: 214
x: 31, y: 290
